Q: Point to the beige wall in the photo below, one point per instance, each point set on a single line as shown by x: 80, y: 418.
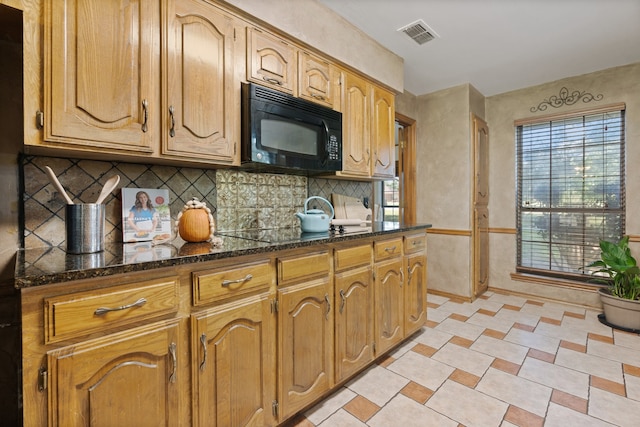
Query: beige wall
x: 616, y: 85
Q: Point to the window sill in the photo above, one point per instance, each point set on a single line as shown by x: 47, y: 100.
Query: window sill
x: 551, y: 281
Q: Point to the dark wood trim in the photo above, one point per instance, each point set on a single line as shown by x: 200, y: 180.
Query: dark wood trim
x: 408, y: 167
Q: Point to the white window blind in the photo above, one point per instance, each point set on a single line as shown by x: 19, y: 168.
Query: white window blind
x: 570, y: 190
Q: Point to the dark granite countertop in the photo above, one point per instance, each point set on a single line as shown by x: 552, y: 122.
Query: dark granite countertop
x: 49, y: 265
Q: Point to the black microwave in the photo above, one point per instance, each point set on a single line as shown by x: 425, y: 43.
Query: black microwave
x: 282, y: 132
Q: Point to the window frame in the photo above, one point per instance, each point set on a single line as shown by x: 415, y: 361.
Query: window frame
x: 584, y: 276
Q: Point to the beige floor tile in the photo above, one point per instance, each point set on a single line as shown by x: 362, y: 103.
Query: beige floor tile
x: 560, y: 416
x: 633, y: 387
x: 517, y: 317
x: 404, y: 412
x: 590, y: 323
x: 502, y: 349
x: 378, y: 384
x: 563, y: 333
x: 468, y: 407
x: 508, y: 299
x: 517, y: 391
x: 490, y: 322
x: 626, y: 339
x: 613, y: 408
x: 461, y: 329
x: 532, y: 340
x: 543, y: 311
x: 342, y: 419
x: 324, y: 409
x: 425, y: 371
x: 462, y: 358
x: 437, y: 315
x: 487, y: 305
x: 614, y: 352
x: 558, y: 377
x: 434, y: 338
x: 567, y: 308
x: 464, y: 309
x: 590, y: 364
x: 437, y: 299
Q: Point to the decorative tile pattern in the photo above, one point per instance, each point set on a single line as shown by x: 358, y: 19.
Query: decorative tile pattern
x: 532, y: 374
x: 238, y: 200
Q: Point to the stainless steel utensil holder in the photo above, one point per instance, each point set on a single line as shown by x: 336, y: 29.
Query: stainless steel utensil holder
x: 85, y: 228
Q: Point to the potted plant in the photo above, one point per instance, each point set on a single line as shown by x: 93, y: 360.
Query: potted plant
x: 618, y: 269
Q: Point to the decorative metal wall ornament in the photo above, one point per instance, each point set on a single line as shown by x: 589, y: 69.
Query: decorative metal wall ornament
x: 566, y: 98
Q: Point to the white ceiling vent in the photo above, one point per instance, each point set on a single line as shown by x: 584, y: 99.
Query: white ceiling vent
x: 419, y: 31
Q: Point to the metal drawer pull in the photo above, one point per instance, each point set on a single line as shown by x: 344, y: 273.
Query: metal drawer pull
x: 104, y: 310
x: 243, y: 280
x: 145, y: 106
x: 172, y: 131
x: 272, y: 80
x: 203, y: 341
x: 326, y: 298
x: 391, y: 249
x: 174, y: 360
x: 344, y: 300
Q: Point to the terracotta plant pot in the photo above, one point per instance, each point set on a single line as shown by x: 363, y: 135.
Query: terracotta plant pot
x: 621, y: 312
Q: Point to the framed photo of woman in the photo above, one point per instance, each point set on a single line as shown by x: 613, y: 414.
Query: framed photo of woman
x: 145, y: 214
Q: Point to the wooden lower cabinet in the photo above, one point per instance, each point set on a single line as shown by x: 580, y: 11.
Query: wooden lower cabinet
x: 233, y: 363
x: 305, y: 335
x: 354, y: 321
x: 123, y: 379
x: 415, y: 292
x: 389, y: 304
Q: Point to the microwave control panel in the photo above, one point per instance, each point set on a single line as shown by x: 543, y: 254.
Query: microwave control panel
x: 333, y: 148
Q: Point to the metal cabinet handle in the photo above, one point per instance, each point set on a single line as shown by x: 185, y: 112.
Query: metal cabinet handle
x: 343, y: 300
x: 390, y: 250
x: 203, y: 342
x: 326, y: 298
x: 104, y: 310
x: 245, y: 279
x: 174, y: 360
x: 272, y: 80
x: 172, y: 131
x: 145, y: 105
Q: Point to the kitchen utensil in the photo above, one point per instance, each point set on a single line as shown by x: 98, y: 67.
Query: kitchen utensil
x: 85, y: 228
x: 108, y: 187
x: 315, y: 220
x: 59, y: 187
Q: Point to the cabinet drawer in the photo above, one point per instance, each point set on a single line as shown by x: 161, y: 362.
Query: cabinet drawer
x: 302, y: 267
x: 220, y: 283
x: 81, y: 313
x: 387, y: 248
x: 352, y: 257
x: 415, y: 243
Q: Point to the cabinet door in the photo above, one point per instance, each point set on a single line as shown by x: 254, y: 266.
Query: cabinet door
x: 234, y: 364
x: 124, y: 379
x: 415, y: 292
x: 356, y: 126
x: 199, y: 118
x: 389, y: 303
x: 383, y: 137
x: 305, y: 331
x: 102, y: 73
x: 270, y: 61
x: 354, y: 321
x: 316, y: 79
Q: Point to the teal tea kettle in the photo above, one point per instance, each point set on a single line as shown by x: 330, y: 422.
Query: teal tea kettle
x: 315, y: 220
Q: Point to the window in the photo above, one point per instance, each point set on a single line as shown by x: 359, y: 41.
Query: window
x: 570, y: 190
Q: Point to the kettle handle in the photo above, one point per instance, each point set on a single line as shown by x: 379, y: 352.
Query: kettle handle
x: 319, y: 198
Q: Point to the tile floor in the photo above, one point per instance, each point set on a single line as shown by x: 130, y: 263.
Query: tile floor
x: 503, y: 361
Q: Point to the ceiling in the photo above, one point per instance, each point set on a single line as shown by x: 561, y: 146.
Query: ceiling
x: 500, y: 45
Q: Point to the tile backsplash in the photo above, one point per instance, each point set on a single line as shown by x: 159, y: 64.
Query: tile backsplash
x: 238, y: 199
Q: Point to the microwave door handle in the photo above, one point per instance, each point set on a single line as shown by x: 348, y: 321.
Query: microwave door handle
x: 325, y: 160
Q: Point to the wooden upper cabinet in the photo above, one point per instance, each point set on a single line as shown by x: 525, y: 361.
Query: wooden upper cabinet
x: 383, y: 134
x: 271, y: 61
x: 102, y: 72
x: 356, y: 128
x: 317, y: 80
x: 200, y: 116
